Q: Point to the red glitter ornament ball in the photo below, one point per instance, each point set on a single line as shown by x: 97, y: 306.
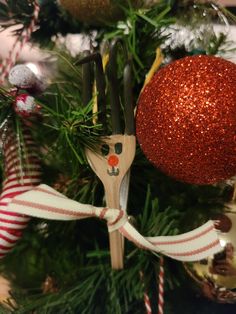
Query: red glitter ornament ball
x: 186, y: 119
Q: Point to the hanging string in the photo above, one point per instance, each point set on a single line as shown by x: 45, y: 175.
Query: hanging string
x: 18, y: 45
x: 161, y: 287
x: 147, y: 302
x: 146, y: 298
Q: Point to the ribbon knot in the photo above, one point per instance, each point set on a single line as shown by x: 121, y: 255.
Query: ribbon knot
x: 45, y: 202
x: 115, y: 218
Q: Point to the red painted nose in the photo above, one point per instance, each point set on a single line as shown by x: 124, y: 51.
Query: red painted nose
x: 113, y: 160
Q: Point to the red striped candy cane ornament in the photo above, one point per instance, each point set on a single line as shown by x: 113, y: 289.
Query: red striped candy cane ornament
x: 19, y: 43
x: 161, y: 287
x: 22, y: 173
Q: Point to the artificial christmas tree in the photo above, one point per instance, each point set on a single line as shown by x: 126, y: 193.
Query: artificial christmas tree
x: 74, y: 255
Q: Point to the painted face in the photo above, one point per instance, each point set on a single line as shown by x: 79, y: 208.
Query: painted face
x: 112, y: 153
x: 114, y: 157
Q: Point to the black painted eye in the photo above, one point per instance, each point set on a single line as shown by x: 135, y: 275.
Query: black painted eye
x: 105, y: 149
x: 118, y: 148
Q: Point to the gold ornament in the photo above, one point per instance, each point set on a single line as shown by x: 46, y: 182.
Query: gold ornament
x: 216, y: 276
x: 93, y: 11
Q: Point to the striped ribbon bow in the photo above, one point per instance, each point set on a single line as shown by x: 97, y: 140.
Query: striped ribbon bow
x: 45, y: 202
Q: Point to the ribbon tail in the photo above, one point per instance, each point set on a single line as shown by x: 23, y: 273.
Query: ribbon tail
x: 45, y: 202
x: 191, y: 246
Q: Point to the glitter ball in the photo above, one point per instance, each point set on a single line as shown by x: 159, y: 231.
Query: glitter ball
x: 94, y: 12
x: 21, y: 76
x: 186, y: 119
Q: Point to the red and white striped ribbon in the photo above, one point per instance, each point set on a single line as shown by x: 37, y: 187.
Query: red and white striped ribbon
x: 19, y: 43
x: 22, y: 174
x: 161, y: 287
x: 45, y: 202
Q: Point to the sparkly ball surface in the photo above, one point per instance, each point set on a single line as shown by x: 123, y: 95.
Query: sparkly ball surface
x: 186, y: 119
x: 22, y: 77
x: 92, y: 11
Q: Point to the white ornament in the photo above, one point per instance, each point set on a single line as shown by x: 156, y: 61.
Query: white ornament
x: 21, y: 76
